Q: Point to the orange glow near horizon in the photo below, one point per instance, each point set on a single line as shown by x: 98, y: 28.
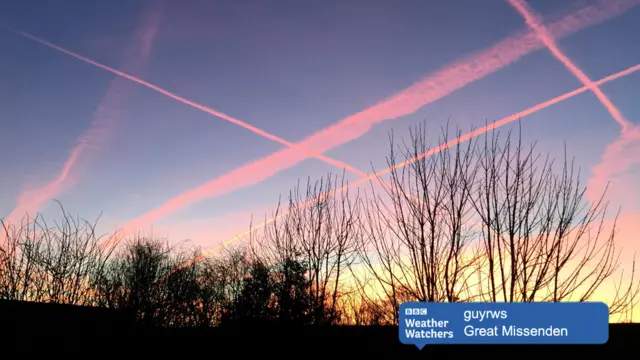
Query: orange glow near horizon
x: 160, y: 201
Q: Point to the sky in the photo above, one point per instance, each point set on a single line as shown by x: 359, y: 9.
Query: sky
x: 183, y: 116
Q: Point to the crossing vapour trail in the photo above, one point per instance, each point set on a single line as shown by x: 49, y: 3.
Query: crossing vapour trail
x: 426, y: 91
x: 534, y: 21
x: 615, y: 159
x: 106, y: 116
x: 295, y: 147
x: 435, y: 150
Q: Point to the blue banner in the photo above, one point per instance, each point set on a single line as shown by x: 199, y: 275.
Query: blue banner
x: 423, y: 323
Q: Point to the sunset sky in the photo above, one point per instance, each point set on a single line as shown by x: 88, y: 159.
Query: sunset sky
x: 283, y: 72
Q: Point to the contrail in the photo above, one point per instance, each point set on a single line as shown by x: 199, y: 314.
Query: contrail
x: 614, y: 159
x: 106, y: 116
x: 430, y: 89
x: 534, y: 21
x: 288, y: 144
x: 437, y: 149
x: 204, y: 108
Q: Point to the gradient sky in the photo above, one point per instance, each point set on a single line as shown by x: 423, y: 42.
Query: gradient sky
x: 290, y: 68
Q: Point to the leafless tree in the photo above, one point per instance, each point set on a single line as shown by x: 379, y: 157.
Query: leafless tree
x: 360, y: 307
x: 317, y: 232
x: 136, y: 279
x: 417, y: 230
x: 326, y: 229
x: 221, y: 280
x: 540, y: 239
x: 42, y: 263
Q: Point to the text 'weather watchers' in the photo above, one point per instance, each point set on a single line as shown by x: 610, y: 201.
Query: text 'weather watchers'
x: 424, y: 323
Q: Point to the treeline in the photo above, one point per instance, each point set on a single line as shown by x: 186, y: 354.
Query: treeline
x: 489, y: 219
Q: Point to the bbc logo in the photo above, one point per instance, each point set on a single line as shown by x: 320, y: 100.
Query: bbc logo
x: 415, y: 311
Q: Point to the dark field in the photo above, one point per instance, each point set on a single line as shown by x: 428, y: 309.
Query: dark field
x: 102, y: 330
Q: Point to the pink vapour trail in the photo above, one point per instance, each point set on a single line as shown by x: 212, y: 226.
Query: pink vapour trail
x: 615, y: 160
x: 534, y: 21
x: 31, y: 200
x: 435, y: 150
x: 288, y: 144
x: 426, y: 91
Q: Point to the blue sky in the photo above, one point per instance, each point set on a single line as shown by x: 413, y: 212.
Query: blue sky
x: 289, y: 68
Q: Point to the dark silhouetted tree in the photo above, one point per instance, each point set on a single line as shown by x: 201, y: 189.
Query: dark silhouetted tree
x: 292, y: 290
x: 136, y: 279
x: 254, y: 304
x: 540, y: 239
x: 52, y: 264
x: 417, y: 231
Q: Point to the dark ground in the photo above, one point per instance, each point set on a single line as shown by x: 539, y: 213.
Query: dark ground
x: 53, y: 328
